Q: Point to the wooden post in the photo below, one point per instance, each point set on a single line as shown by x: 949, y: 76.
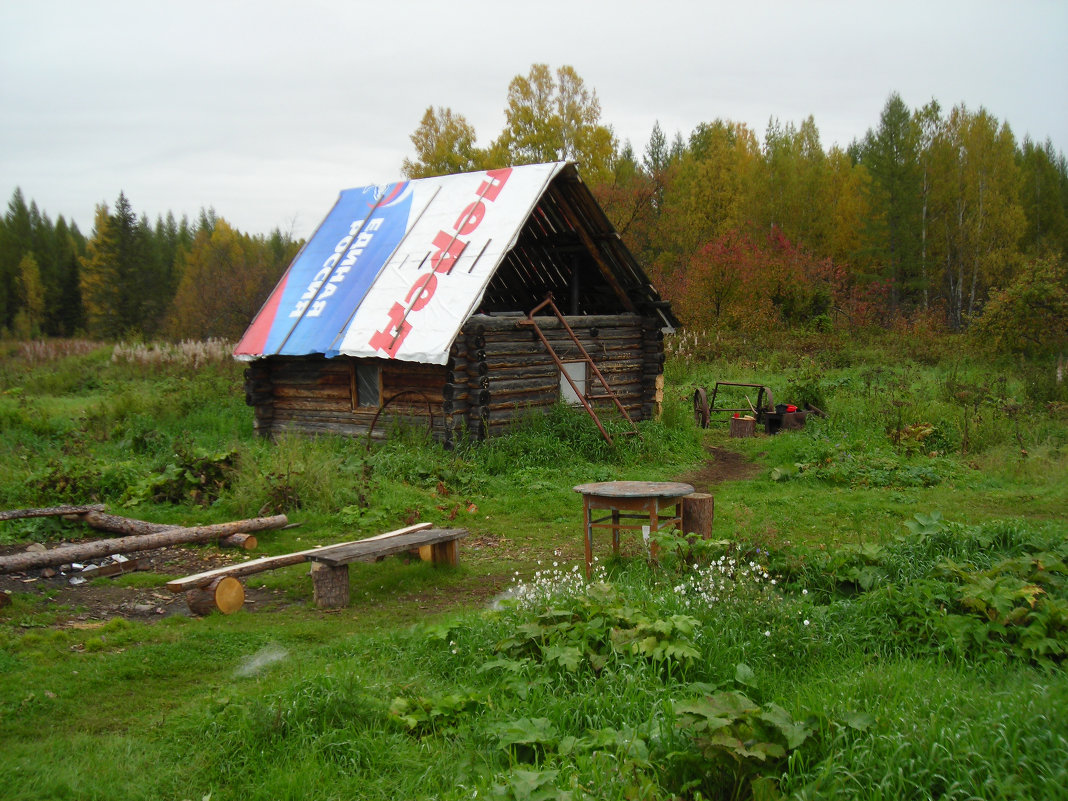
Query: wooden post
x: 225, y: 594
x: 330, y: 585
x: 441, y: 553
x: 698, y: 510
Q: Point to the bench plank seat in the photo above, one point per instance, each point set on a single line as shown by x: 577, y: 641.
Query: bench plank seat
x: 370, y: 551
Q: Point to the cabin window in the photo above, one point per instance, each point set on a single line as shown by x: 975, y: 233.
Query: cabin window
x: 365, y: 382
x: 577, y: 371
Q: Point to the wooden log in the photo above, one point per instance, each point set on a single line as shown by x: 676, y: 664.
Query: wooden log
x: 247, y: 542
x: 454, y: 412
x: 698, y: 511
x: 493, y: 322
x: 5, y: 599
x: 441, y: 553
x: 741, y: 427
x: 51, y: 511
x: 330, y: 585
x: 225, y: 594
x: 273, y: 562
x: 128, y: 525
x: 83, y: 552
x: 122, y: 525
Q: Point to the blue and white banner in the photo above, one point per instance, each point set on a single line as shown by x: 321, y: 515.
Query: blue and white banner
x: 394, y: 271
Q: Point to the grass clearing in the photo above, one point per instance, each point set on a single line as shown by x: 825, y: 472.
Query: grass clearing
x: 901, y: 631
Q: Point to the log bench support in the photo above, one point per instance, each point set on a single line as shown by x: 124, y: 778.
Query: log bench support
x: 330, y: 585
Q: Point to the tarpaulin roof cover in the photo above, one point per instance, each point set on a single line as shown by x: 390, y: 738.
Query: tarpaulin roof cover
x: 394, y: 271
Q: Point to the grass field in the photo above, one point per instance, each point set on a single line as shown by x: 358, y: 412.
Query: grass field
x: 882, y: 612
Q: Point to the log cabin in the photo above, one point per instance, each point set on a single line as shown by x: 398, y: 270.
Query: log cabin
x: 459, y: 302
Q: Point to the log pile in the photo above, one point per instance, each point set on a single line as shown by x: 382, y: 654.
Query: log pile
x: 85, y: 551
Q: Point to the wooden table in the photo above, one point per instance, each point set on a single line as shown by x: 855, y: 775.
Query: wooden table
x: 631, y: 505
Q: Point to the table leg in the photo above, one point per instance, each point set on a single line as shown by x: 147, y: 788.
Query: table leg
x: 615, y: 532
x: 654, y: 527
x: 589, y: 535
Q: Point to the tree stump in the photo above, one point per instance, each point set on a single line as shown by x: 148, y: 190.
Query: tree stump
x: 742, y: 427
x: 225, y: 594
x: 698, y: 510
x: 330, y: 585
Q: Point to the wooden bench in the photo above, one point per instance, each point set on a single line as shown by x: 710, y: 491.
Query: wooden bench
x: 330, y: 566
x: 221, y: 589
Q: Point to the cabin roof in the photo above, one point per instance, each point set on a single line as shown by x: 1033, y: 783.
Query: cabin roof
x: 394, y: 271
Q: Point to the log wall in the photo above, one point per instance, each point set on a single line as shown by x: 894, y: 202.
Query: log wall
x: 497, y: 372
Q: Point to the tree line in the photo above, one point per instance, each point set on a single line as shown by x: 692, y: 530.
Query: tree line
x: 936, y: 217
x: 933, y: 216
x: 130, y: 278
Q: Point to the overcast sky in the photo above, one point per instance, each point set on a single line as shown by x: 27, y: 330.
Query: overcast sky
x: 265, y: 110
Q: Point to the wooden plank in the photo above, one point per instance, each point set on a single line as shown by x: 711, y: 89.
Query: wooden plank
x: 365, y: 551
x: 273, y: 562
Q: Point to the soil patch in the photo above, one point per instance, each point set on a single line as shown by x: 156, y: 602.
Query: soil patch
x: 100, y: 599
x: 104, y: 598
x: 722, y: 465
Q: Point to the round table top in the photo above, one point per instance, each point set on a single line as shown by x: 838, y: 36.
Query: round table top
x: 635, y: 489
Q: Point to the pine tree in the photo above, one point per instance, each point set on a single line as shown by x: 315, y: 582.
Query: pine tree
x: 115, y: 274
x: 890, y: 155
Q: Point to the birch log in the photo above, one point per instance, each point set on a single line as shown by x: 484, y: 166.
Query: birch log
x: 85, y: 551
x: 52, y: 511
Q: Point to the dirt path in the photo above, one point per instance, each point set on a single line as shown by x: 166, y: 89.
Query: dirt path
x: 722, y: 465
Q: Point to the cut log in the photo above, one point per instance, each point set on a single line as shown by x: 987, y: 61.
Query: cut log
x: 698, y: 510
x: 225, y: 594
x: 247, y: 542
x: 83, y: 552
x: 128, y: 525
x: 122, y: 525
x: 52, y: 511
x: 441, y: 553
x: 5, y: 599
x: 330, y: 585
x: 742, y: 427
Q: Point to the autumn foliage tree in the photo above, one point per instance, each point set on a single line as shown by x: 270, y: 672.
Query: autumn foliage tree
x: 444, y: 144
x: 932, y: 217
x: 737, y: 282
x: 225, y: 278
x: 1030, y: 315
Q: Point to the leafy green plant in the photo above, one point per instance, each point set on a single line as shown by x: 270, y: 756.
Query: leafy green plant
x: 594, y: 627
x: 434, y: 715
x: 744, y: 743
x: 195, y: 476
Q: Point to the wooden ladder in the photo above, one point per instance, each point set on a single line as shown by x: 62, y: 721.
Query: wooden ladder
x: 529, y: 320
